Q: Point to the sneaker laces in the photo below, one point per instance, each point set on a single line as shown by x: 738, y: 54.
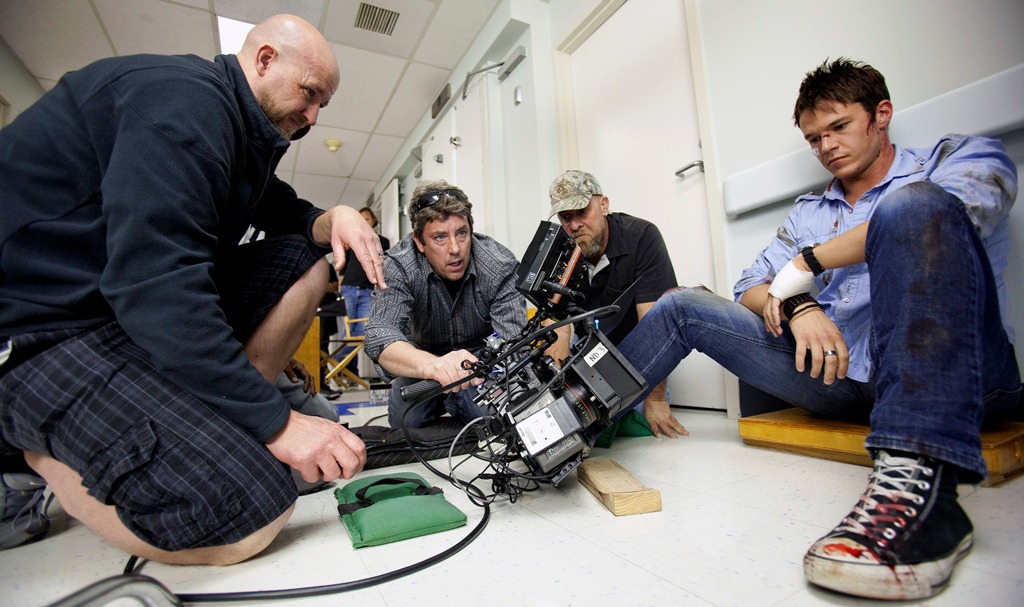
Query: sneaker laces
x: 890, y: 499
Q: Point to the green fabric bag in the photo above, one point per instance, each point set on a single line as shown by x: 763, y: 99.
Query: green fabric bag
x: 382, y: 509
x: 632, y: 423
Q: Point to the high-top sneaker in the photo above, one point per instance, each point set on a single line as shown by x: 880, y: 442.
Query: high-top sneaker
x: 903, y: 537
x: 23, y: 509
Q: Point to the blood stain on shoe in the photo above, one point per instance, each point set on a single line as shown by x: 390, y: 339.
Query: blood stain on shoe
x: 857, y: 553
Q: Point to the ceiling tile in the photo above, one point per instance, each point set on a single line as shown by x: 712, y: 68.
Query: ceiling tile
x: 322, y: 190
x: 383, y: 93
x: 413, y: 15
x: 416, y: 93
x: 140, y: 26
x: 367, y: 82
x: 357, y: 192
x: 254, y: 11
x: 52, y: 37
x: 314, y: 157
x: 442, y: 45
x: 203, y: 4
x: 379, y: 153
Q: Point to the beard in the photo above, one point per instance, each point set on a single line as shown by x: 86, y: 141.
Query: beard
x: 592, y: 245
x: 589, y: 246
x: 277, y: 115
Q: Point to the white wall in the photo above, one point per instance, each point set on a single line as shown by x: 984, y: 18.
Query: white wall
x: 754, y: 55
x: 525, y: 188
x: 924, y: 48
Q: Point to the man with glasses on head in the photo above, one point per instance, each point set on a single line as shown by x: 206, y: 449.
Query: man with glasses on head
x: 905, y: 250
x: 629, y: 266
x: 448, y: 290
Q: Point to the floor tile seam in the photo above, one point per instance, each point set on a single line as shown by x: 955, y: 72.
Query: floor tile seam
x: 821, y: 529
x: 501, y: 551
x: 744, y: 479
x: 788, y: 599
x: 983, y: 566
x: 622, y: 558
x: 548, y: 519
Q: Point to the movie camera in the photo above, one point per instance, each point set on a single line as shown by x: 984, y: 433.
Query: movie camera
x: 545, y: 413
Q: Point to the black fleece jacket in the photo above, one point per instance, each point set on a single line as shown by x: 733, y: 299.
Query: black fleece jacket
x: 120, y: 190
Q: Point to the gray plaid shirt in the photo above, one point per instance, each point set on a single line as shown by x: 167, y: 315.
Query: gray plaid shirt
x: 417, y: 307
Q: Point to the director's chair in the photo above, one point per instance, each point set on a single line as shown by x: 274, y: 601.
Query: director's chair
x: 336, y: 361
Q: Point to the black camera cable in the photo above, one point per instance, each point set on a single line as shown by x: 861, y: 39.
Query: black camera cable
x: 311, y: 591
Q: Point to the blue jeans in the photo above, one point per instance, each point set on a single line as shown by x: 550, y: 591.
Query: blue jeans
x: 357, y: 305
x: 943, y: 362
x: 460, y: 405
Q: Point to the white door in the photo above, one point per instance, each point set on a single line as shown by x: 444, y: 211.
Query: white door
x: 636, y: 125
x: 438, y: 162
x: 469, y: 147
x: 456, y: 152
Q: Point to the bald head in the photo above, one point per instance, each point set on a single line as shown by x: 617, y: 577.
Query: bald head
x: 291, y: 69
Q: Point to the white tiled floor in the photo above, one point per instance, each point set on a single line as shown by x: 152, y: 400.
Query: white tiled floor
x: 734, y: 525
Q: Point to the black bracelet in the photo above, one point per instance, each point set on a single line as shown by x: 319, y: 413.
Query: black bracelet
x: 812, y: 261
x: 805, y: 310
x: 790, y: 304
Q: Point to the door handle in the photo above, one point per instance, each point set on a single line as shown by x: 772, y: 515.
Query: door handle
x: 695, y: 164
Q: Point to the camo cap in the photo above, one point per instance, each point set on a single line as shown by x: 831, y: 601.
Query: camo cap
x: 573, y: 190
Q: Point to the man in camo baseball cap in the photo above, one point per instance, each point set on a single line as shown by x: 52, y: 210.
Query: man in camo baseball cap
x: 573, y: 190
x: 629, y: 267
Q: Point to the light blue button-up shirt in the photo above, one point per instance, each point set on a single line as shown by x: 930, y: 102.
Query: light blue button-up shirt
x: 975, y: 169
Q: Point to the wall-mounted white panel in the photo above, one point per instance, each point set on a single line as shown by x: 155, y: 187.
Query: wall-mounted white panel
x: 991, y: 106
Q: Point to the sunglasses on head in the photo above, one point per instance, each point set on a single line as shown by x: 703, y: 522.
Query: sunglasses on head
x: 429, y: 199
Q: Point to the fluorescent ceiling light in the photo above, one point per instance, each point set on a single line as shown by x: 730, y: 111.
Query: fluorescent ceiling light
x: 232, y: 34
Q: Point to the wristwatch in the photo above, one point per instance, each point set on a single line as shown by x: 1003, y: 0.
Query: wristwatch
x: 812, y: 261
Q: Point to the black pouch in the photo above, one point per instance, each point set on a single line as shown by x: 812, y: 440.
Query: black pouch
x: 389, y: 447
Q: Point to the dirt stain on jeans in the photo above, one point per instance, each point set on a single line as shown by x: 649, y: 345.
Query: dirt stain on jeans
x: 925, y: 337
x: 932, y: 262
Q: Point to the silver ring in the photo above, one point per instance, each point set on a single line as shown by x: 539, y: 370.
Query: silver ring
x: 831, y: 353
x: 380, y: 254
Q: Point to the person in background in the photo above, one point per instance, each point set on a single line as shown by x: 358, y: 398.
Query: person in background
x: 620, y: 250
x: 448, y: 289
x: 879, y: 300
x: 139, y: 340
x: 356, y: 288
x: 328, y: 311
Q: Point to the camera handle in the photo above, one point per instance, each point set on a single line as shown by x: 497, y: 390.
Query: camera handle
x: 420, y: 389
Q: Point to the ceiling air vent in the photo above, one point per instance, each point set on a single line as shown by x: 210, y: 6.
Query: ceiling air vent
x: 376, y: 19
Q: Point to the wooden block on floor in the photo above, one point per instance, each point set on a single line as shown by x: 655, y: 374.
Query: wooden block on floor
x: 617, y: 489
x: 797, y: 431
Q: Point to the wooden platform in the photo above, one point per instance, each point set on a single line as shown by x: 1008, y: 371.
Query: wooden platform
x: 797, y: 431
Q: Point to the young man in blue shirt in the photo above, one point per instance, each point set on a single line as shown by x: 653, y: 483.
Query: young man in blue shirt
x: 905, y: 250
